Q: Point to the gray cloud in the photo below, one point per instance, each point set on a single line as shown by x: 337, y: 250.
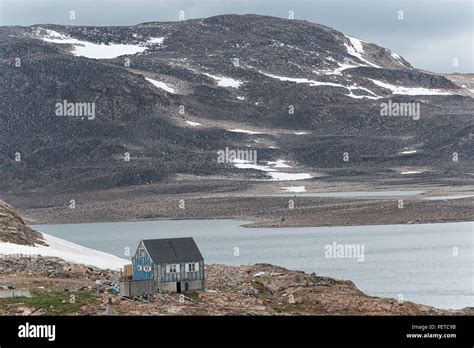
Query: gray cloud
x: 431, y: 34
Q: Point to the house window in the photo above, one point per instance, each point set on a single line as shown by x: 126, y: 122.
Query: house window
x: 147, y: 268
x: 139, y: 267
x: 173, y: 268
x: 141, y: 252
x: 192, y: 267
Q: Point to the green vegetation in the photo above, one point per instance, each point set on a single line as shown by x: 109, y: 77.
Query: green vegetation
x: 194, y: 296
x: 259, y: 287
x: 53, y: 303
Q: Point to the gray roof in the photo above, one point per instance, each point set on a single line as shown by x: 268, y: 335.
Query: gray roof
x: 172, y: 250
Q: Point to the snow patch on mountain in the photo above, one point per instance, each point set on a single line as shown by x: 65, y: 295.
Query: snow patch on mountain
x: 411, y: 172
x: 396, y: 57
x: 238, y: 130
x: 409, y: 90
x: 193, y: 124
x: 303, y: 80
x: 98, y: 51
x: 323, y: 83
x: 276, y: 176
x: 161, y: 85
x: 295, y: 189
x: 223, y: 81
x: 338, y: 71
x: 278, y: 164
x: 272, y: 172
x: 408, y: 152
x: 243, y: 164
x: 355, y: 96
x: 156, y: 40
x: 355, y: 48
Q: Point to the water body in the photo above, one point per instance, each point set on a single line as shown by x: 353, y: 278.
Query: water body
x: 431, y: 264
x: 442, y: 198
x: 355, y: 194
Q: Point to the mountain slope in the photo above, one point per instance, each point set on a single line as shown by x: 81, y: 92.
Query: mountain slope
x: 167, y: 93
x: 13, y: 229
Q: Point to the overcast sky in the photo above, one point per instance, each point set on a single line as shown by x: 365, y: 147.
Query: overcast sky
x: 433, y: 34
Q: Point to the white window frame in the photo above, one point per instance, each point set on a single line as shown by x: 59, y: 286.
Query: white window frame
x: 195, y: 266
x: 147, y: 268
x: 139, y: 268
x: 141, y: 252
x: 172, y: 268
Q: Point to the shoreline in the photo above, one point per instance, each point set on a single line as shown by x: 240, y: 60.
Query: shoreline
x: 262, y: 204
x: 262, y: 211
x: 252, y: 224
x: 257, y: 289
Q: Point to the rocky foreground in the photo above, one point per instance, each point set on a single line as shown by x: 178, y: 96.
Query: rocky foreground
x: 259, y: 289
x: 52, y: 286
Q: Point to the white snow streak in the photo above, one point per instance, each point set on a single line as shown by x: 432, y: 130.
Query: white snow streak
x: 238, y: 130
x: 409, y: 90
x: 278, y: 164
x: 272, y: 172
x: 67, y: 251
x: 295, y: 189
x: 356, y: 49
x: 99, y: 51
x: 223, y: 81
x: 331, y: 84
x: 161, y: 85
x: 411, y: 172
x: 289, y: 176
x: 193, y: 124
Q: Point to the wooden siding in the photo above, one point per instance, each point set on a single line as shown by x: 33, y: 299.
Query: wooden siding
x: 162, y: 277
x: 144, y: 261
x: 134, y: 288
x: 127, y: 271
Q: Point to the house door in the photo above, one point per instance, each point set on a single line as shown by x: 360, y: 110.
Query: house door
x: 178, y: 287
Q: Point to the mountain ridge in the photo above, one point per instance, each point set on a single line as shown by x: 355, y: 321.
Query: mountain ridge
x: 327, y: 77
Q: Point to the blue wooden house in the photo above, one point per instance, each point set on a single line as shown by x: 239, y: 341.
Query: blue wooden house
x: 169, y: 265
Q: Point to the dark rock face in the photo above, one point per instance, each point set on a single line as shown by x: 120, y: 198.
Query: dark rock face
x: 341, y: 113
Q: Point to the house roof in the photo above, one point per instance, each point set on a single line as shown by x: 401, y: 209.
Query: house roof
x: 172, y: 250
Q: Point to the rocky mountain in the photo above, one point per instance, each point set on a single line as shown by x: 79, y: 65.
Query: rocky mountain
x: 164, y: 97
x: 13, y: 229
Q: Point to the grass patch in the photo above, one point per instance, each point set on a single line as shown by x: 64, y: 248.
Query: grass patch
x: 259, y: 287
x: 54, y: 303
x: 193, y: 296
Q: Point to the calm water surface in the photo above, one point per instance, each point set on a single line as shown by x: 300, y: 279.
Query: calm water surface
x: 431, y: 263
